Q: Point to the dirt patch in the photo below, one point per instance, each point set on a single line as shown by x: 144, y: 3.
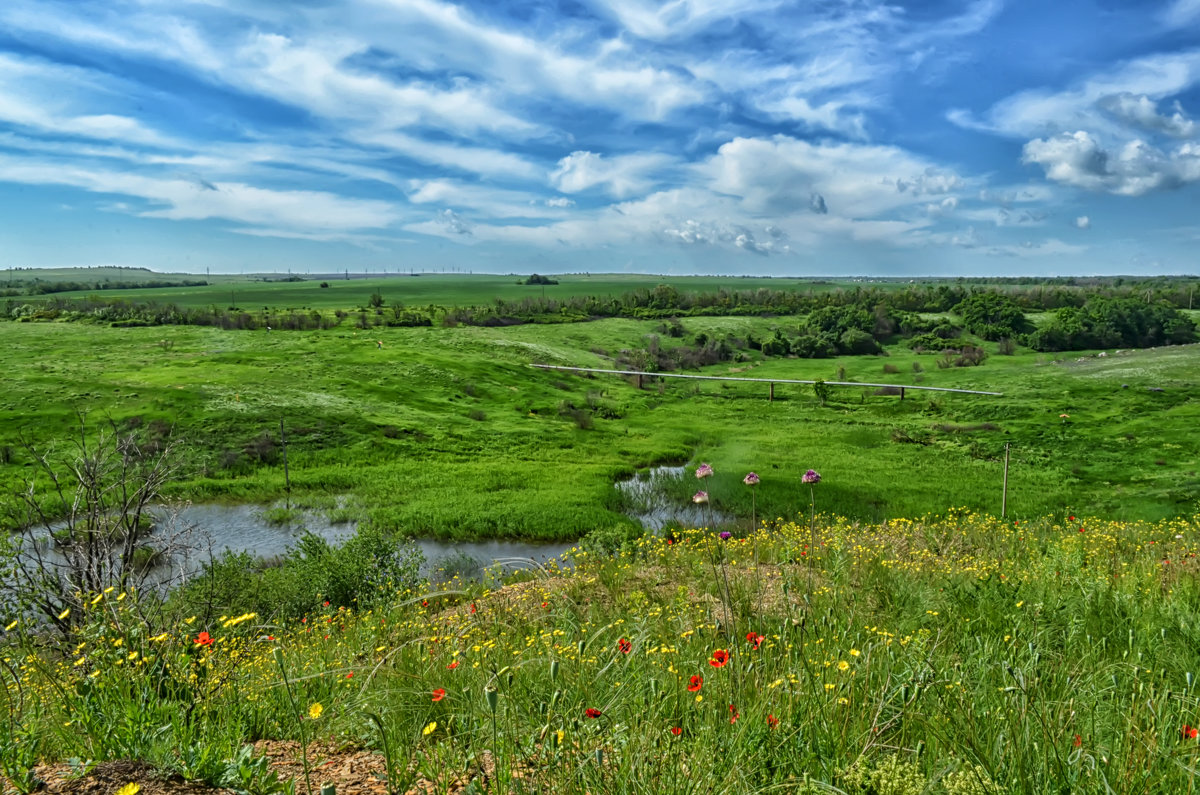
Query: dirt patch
x: 352, y: 772
x: 107, y: 778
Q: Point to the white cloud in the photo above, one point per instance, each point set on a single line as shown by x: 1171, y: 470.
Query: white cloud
x: 651, y: 19
x: 1140, y: 111
x: 1083, y: 222
x: 314, y: 75
x: 1040, y: 112
x: 184, y: 199
x: 1180, y: 13
x: 491, y: 202
x: 780, y: 175
x: 66, y: 100
x: 620, y: 176
x: 475, y: 159
x: 1136, y: 168
x: 608, y: 73
x: 967, y: 239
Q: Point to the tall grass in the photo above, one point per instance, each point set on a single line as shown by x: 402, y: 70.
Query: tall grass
x: 956, y: 654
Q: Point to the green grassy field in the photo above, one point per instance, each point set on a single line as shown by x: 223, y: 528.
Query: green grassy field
x: 440, y: 289
x: 840, y: 643
x: 447, y: 431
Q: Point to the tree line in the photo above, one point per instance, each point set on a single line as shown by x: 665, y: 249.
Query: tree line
x: 836, y: 322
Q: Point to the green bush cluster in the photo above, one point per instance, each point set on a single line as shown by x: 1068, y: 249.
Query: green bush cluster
x: 372, y: 566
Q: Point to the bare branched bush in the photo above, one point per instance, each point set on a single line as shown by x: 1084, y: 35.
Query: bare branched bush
x: 89, y: 518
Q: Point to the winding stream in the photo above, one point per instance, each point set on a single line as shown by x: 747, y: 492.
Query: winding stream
x: 651, y: 496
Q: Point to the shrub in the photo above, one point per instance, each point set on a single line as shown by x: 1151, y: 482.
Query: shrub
x: 857, y: 342
x: 991, y: 315
x: 369, y: 568
x: 814, y: 346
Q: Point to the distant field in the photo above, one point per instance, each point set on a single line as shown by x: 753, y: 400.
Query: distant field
x: 447, y: 431
x: 442, y: 289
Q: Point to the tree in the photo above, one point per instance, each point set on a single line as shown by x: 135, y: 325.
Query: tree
x: 376, y: 300
x: 88, y: 519
x: 991, y: 315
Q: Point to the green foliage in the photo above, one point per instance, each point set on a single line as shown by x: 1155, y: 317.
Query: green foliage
x: 247, y: 774
x: 370, y: 567
x: 855, y: 342
x: 991, y: 315
x: 889, y: 776
x: 814, y: 346
x: 936, y: 343
x: 1113, y: 323
x: 971, y: 780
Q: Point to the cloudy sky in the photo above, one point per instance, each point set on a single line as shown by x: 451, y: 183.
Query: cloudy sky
x: 692, y: 136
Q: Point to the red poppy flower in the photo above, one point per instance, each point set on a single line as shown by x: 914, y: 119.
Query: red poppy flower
x: 350, y: 675
x: 439, y: 694
x: 453, y: 665
x: 326, y: 603
x: 472, y: 607
x: 676, y: 730
x: 592, y: 712
x: 695, y: 683
x: 1078, y: 741
x: 204, y: 639
x: 624, y: 646
x: 719, y: 658
x: 733, y: 713
x: 772, y: 721
x: 755, y: 639
x: 1190, y: 732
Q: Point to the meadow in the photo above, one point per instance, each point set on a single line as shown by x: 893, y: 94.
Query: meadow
x: 883, y: 631
x: 956, y: 654
x: 448, y: 432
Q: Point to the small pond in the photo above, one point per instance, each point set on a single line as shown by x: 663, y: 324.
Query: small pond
x: 245, y: 528
x: 652, y: 499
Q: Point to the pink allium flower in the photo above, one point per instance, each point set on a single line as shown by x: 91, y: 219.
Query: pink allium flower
x: 704, y: 471
x: 726, y: 535
x: 700, y: 498
x: 751, y: 479
x: 810, y: 477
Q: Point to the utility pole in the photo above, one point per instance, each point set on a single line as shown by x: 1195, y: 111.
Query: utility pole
x: 287, y: 480
x: 1003, y: 495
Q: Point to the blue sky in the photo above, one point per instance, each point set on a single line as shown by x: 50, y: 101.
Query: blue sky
x: 691, y: 136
